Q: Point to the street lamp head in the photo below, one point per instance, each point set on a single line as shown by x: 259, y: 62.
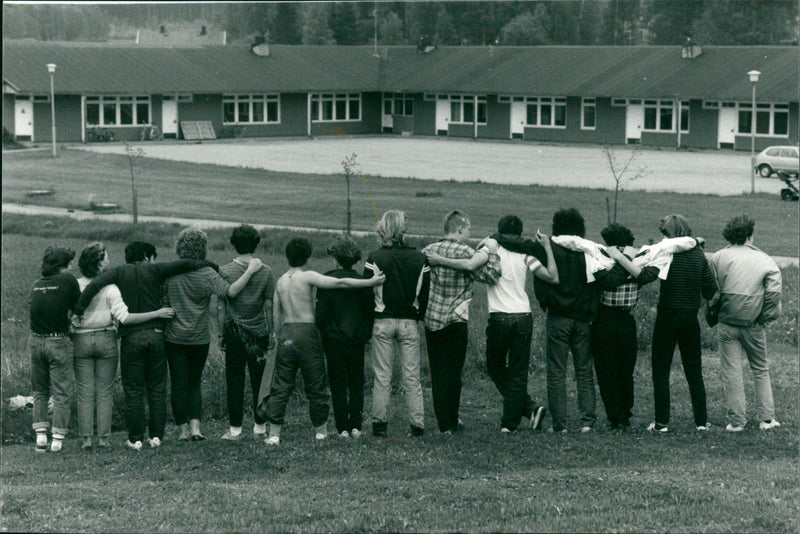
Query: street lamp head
x: 754, y: 74
x: 51, y: 68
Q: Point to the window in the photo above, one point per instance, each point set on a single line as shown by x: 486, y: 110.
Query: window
x: 40, y: 99
x: 659, y: 115
x: 546, y: 111
x: 588, y: 114
x: 619, y: 102
x: 329, y: 107
x: 117, y: 110
x: 463, y: 109
x: 771, y: 119
x: 504, y: 99
x: 251, y: 109
x: 398, y: 104
x: 710, y: 104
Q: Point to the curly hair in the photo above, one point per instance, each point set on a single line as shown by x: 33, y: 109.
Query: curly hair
x: 617, y: 235
x: 739, y: 229
x: 91, y: 258
x: 568, y: 221
x: 675, y: 225
x: 191, y: 244
x: 245, y: 239
x: 345, y: 251
x: 391, y: 228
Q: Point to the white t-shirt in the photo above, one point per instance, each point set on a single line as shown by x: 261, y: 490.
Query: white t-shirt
x: 508, y: 294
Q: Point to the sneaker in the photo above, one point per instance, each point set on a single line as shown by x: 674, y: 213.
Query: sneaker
x: 506, y: 430
x: 379, y: 429
x: 703, y: 428
x: 768, y: 425
x: 415, y: 432
x: 657, y: 427
x: 319, y: 436
x: 55, y: 445
x: 586, y: 429
x: 154, y: 442
x: 553, y: 430
x: 103, y: 443
x: 537, y: 417
x: 87, y: 444
x: 137, y: 445
x: 355, y: 433
x: 273, y: 441
x: 734, y: 428
x: 228, y: 436
x: 259, y: 431
x: 344, y: 434
x: 41, y: 442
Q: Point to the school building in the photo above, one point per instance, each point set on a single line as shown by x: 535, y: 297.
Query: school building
x: 656, y: 96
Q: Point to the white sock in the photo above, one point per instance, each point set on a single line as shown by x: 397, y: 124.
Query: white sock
x: 274, y: 430
x: 235, y: 431
x: 259, y: 429
x: 41, y: 438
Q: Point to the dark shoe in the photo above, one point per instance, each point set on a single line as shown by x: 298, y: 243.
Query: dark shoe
x: 198, y: 437
x: 537, y: 417
x: 415, y: 432
x: 379, y: 429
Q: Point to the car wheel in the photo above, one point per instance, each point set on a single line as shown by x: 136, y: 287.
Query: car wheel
x: 786, y: 195
x: 765, y: 171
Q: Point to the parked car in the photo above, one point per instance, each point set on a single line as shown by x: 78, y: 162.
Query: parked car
x: 776, y: 159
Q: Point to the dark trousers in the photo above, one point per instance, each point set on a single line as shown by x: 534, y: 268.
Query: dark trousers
x: 614, y: 347
x: 346, y: 377
x: 237, y: 359
x: 681, y: 327
x: 565, y: 335
x: 186, y: 364
x: 143, y: 365
x: 447, y: 350
x: 299, y: 347
x: 508, y: 351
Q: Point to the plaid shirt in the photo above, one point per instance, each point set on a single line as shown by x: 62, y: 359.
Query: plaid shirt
x: 451, y: 289
x: 623, y: 296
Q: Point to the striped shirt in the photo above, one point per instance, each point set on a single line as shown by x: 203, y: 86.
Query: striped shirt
x: 106, y: 309
x: 451, y: 289
x: 690, y: 277
x: 247, y: 309
x: 189, y: 295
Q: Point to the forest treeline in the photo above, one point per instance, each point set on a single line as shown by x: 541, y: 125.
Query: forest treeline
x: 572, y: 22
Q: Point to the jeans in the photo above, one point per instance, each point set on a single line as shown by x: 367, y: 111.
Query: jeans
x: 186, y: 364
x: 144, y: 370
x: 237, y: 359
x: 565, y: 335
x: 405, y: 333
x: 299, y: 347
x: 447, y: 350
x: 681, y: 327
x: 614, y: 346
x: 95, y: 364
x: 508, y: 351
x: 51, y: 374
x: 735, y: 344
x: 346, y: 376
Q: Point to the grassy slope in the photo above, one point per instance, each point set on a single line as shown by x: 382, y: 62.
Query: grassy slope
x: 208, y: 191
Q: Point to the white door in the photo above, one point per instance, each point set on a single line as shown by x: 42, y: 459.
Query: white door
x: 387, y: 122
x: 728, y: 122
x: 518, y: 113
x: 442, y: 115
x: 169, y: 117
x: 23, y: 118
x: 634, y: 119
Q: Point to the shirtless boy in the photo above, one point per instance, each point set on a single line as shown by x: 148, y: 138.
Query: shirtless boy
x: 299, y: 344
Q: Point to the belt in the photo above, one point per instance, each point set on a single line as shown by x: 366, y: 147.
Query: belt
x: 52, y: 334
x: 627, y: 309
x: 99, y: 331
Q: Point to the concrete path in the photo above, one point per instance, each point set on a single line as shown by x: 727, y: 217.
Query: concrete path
x: 26, y: 209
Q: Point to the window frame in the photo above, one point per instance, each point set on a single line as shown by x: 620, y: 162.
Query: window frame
x: 661, y: 109
x: 476, y: 102
x: 250, y: 101
x: 118, y: 103
x: 588, y: 102
x: 403, y: 101
x: 771, y: 108
x: 540, y: 102
x: 320, y: 102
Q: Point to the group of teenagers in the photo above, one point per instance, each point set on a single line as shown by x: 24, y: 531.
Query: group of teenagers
x: 320, y: 324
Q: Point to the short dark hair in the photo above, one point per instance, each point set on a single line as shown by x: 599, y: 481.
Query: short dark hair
x: 55, y: 259
x: 568, y: 221
x: 454, y: 221
x: 91, y: 258
x: 739, y: 229
x: 245, y: 239
x: 617, y: 235
x: 137, y: 251
x: 298, y: 250
x: 510, y: 224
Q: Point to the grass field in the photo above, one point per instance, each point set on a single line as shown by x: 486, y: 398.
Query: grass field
x: 257, y: 196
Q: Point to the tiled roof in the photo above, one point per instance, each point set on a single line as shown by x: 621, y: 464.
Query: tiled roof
x: 718, y: 73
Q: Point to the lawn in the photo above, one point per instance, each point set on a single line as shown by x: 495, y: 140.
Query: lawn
x: 215, y: 192
x: 476, y: 481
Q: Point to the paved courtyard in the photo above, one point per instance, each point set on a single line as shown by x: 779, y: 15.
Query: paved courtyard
x: 705, y: 172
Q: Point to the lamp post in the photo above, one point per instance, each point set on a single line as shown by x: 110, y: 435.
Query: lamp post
x: 753, y: 74
x: 51, y: 68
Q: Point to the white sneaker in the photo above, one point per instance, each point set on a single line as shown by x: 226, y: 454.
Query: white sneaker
x: 41, y: 442
x: 769, y: 425
x: 154, y: 442
x: 733, y: 428
x: 355, y: 433
x: 704, y: 428
x: 273, y: 441
x: 259, y: 431
x: 137, y: 445
x: 343, y: 434
x: 55, y: 445
x: 657, y: 427
x: 505, y: 430
x: 230, y: 436
x: 585, y: 429
x: 319, y: 436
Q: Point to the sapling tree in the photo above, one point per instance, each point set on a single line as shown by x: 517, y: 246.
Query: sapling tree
x: 134, y: 163
x: 624, y: 171
x: 350, y: 167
